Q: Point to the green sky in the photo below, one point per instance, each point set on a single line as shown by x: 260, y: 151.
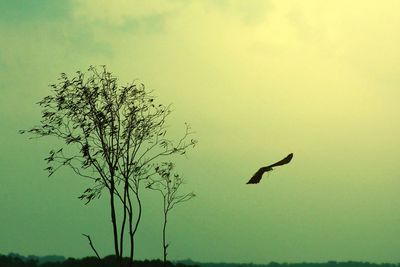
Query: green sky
x: 256, y: 80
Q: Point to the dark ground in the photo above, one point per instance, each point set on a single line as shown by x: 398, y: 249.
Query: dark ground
x: 15, y: 260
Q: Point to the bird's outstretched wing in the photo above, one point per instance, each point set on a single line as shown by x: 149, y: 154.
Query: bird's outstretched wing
x: 255, y: 179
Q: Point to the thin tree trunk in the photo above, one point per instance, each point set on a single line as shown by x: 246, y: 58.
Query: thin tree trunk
x: 132, y: 230
x: 165, y: 245
x: 131, y: 237
x: 114, y: 223
x: 121, y: 241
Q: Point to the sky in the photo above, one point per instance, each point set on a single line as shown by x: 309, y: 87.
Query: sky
x: 256, y: 80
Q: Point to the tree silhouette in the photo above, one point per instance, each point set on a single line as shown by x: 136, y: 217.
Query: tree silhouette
x: 114, y: 135
x: 168, y: 184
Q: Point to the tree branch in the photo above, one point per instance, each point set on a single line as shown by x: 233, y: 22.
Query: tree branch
x: 91, y: 245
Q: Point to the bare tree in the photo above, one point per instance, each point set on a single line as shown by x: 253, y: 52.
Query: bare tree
x: 115, y: 135
x: 168, y: 184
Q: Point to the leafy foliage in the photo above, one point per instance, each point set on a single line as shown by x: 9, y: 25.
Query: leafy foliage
x: 114, y: 129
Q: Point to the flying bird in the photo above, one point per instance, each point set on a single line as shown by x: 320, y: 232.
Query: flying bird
x: 258, y: 175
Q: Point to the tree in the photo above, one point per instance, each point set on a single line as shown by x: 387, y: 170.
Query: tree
x: 168, y: 184
x: 114, y: 135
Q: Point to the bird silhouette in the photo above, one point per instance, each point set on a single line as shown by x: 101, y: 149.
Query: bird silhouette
x: 258, y: 175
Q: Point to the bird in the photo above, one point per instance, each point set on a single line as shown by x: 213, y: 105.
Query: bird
x: 255, y: 179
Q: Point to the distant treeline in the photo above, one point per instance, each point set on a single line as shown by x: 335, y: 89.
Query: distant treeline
x: 15, y: 260
x: 305, y: 264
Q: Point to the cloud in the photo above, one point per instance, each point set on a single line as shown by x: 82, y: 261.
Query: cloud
x: 21, y: 11
x: 254, y: 11
x: 122, y: 11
